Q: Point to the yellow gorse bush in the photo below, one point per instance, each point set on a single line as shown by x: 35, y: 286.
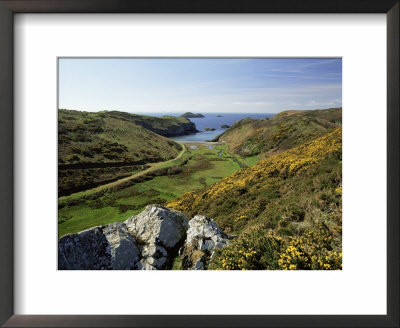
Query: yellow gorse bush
x: 278, y: 229
x: 255, y: 250
x: 290, y: 162
x: 261, y: 249
x: 314, y: 250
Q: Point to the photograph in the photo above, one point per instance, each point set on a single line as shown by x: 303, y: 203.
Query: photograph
x: 206, y: 142
x: 199, y: 163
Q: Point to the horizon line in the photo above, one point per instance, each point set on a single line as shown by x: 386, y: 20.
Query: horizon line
x: 194, y: 112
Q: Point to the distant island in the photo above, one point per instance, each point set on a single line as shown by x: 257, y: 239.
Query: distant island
x: 254, y: 188
x: 107, y: 172
x: 192, y: 115
x: 265, y: 176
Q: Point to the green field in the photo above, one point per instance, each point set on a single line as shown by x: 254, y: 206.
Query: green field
x: 98, y: 148
x: 284, y: 208
x: 200, y: 167
x: 285, y: 211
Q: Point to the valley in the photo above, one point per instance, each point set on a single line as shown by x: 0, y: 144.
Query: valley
x: 274, y: 185
x: 196, y: 166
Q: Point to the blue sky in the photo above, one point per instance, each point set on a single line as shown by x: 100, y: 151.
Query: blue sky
x: 263, y: 85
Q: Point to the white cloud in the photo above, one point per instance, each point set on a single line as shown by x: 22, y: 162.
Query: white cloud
x: 316, y: 104
x: 300, y: 76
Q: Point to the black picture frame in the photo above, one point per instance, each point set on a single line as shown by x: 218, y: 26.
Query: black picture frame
x: 10, y: 7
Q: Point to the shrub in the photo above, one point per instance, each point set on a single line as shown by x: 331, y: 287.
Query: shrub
x: 294, y: 214
x: 262, y: 249
x: 73, y: 158
x: 285, y: 232
x: 254, y: 250
x: 314, y: 250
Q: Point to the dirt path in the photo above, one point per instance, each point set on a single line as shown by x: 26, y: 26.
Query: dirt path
x: 205, y: 143
x: 152, y: 167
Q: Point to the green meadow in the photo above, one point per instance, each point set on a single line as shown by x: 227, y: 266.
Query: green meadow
x: 199, y: 166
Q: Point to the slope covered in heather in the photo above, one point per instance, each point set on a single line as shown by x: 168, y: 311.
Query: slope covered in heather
x: 289, y: 199
x: 265, y: 137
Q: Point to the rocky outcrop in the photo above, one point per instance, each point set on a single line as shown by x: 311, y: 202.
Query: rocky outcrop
x: 150, y: 240
x: 86, y: 250
x: 205, y: 234
x: 160, y: 230
x: 124, y: 252
x: 209, y: 129
x: 109, y: 247
x: 202, y: 238
x: 179, y: 129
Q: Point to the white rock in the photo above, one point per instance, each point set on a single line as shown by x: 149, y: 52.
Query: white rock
x: 204, y: 234
x: 155, y: 256
x: 99, y: 248
x: 154, y: 251
x: 159, y: 225
x: 85, y: 250
x: 124, y: 252
x: 161, y: 229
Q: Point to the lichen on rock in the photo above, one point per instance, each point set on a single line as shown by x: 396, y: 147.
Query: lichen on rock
x: 202, y: 238
x: 161, y: 230
x: 147, y: 241
x: 109, y: 247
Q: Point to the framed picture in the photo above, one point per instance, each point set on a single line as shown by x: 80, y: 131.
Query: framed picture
x: 112, y: 121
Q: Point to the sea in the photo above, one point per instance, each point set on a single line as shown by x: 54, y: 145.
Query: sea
x: 212, y: 120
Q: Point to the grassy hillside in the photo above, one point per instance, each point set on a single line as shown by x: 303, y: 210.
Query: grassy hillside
x: 100, y: 147
x: 168, y: 126
x: 199, y: 166
x: 286, y: 209
x: 106, y: 138
x: 259, y: 138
